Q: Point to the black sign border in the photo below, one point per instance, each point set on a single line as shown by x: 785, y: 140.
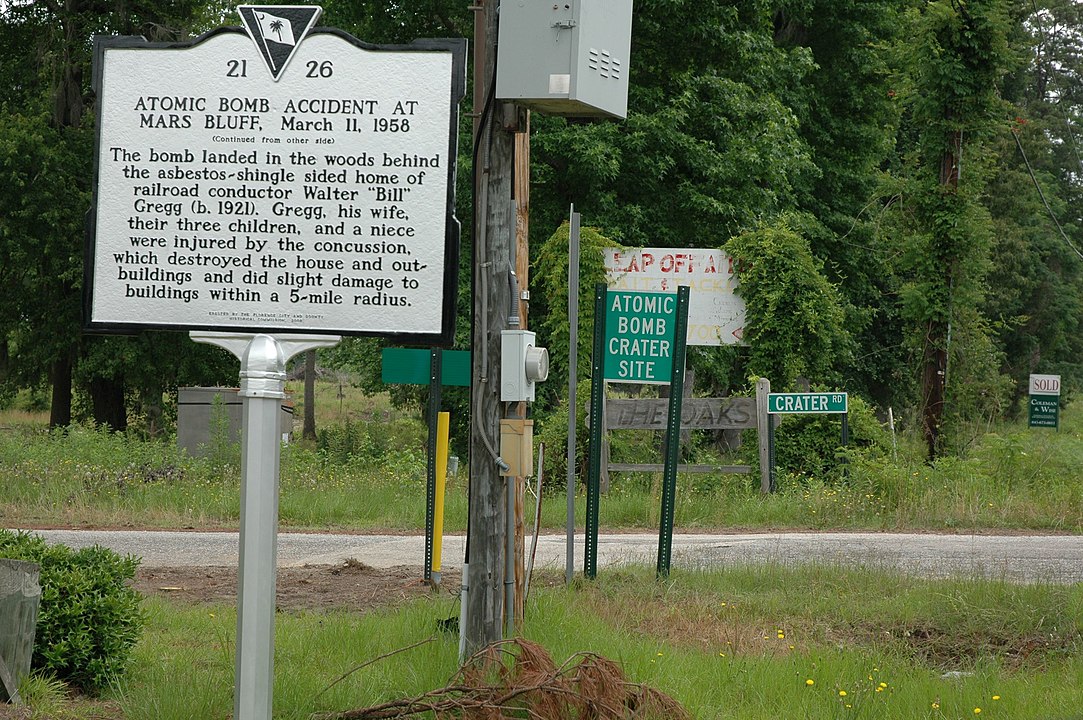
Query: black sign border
x: 452, y: 229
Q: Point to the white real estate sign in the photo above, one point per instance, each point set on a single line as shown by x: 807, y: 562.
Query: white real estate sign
x: 1044, y: 385
x: 288, y: 181
x: 716, y: 315
x: 1044, y: 401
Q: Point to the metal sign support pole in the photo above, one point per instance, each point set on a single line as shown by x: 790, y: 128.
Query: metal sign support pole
x: 263, y: 379
x: 845, y: 442
x: 597, y: 431
x: 772, y: 469
x: 673, y: 435
x: 435, y: 378
x: 573, y: 375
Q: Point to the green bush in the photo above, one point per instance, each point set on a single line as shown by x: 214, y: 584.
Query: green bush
x: 810, y: 446
x: 552, y: 431
x: 89, y: 618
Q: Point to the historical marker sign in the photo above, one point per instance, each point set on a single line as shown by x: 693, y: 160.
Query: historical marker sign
x: 639, y: 329
x: 716, y: 314
x: 806, y: 403
x: 282, y: 179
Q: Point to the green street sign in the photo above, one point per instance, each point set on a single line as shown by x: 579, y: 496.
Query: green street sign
x: 784, y: 403
x: 1044, y: 411
x: 639, y: 331
x: 411, y: 366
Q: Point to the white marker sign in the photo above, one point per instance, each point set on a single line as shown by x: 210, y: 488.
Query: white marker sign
x: 716, y: 315
x: 277, y: 180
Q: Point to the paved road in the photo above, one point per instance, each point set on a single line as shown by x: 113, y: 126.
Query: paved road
x: 1056, y: 559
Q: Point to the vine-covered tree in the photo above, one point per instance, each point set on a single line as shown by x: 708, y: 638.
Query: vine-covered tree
x: 954, y: 69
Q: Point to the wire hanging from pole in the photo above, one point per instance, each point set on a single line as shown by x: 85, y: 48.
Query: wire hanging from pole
x: 1041, y: 194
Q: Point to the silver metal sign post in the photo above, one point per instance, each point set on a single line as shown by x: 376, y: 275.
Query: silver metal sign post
x: 263, y: 381
x: 573, y: 353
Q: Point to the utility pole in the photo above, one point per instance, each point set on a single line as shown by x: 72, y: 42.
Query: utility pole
x: 934, y: 371
x: 494, y: 263
x: 501, y: 256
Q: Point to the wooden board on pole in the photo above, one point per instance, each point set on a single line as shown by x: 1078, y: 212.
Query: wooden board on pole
x: 763, y: 429
x: 522, y: 271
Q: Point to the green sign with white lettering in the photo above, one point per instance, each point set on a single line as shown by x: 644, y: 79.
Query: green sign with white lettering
x: 1044, y: 411
x: 782, y: 403
x: 639, y: 330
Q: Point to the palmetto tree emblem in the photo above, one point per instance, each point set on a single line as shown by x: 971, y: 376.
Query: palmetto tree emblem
x: 276, y: 27
x: 277, y: 30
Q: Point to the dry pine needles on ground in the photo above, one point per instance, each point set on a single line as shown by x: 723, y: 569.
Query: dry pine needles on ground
x: 518, y: 679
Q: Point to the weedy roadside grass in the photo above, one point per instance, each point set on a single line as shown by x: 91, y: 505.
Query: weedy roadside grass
x: 753, y: 643
x: 370, y: 475
x: 742, y: 642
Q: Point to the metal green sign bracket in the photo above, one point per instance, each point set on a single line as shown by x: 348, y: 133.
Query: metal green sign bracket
x: 434, y: 367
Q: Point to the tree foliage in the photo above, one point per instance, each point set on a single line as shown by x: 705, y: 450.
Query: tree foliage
x: 709, y: 146
x: 1033, y: 301
x: 900, y: 180
x: 45, y: 170
x: 794, y: 314
x: 552, y: 272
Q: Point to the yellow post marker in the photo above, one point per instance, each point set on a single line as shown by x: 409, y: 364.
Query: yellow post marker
x: 443, y: 423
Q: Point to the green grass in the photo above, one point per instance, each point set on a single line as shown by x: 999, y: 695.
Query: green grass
x: 736, y: 643
x: 742, y: 642
x: 337, y: 401
x: 368, y: 473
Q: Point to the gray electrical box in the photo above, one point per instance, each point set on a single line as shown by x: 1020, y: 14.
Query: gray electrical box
x: 197, y: 418
x: 565, y: 57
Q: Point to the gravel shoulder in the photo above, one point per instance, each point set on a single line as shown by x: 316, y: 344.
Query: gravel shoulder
x: 1023, y: 558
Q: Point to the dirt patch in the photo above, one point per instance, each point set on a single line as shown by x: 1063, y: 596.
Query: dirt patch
x: 13, y: 712
x: 350, y: 586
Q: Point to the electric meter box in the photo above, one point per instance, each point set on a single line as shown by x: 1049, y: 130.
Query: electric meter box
x: 565, y: 57
x: 522, y: 364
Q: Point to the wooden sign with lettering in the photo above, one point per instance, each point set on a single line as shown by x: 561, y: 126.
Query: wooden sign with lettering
x: 283, y: 179
x: 716, y: 314
x: 736, y: 413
